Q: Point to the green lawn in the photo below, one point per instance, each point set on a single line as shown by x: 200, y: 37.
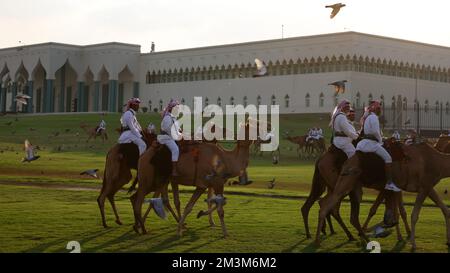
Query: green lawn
x: 44, y: 219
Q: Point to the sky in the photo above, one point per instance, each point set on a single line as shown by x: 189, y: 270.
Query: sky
x: 178, y: 24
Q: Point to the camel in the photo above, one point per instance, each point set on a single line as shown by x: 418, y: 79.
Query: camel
x: 117, y: 173
x: 300, y: 141
x: 443, y: 144
x: 92, y: 133
x: 326, y: 173
x: 422, y: 170
x: 315, y: 145
x: 204, y: 166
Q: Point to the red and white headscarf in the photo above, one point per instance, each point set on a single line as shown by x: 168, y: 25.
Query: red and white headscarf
x: 172, y: 103
x: 373, y: 106
x: 132, y: 101
x: 344, y: 103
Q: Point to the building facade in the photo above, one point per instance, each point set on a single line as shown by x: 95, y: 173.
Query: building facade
x: 65, y: 78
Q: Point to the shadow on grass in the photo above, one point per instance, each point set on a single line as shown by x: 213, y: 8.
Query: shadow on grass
x: 61, y: 243
x: 399, y: 246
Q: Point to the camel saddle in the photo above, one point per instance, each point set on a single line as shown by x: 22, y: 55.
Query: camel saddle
x: 339, y: 156
x: 373, y: 167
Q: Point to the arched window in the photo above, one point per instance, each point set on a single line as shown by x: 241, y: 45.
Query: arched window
x: 436, y: 107
x: 160, y: 105
x: 245, y: 101
x: 307, y: 100
x: 358, y: 100
x: 393, y: 102
x: 426, y: 106
x: 273, y: 100
x: 321, y: 100
x: 206, y: 101
x: 405, y: 104
x: 219, y: 101
x: 382, y: 99
x: 370, y: 98
x: 183, y: 100
x: 447, y: 108
x: 150, y: 106
x: 286, y: 101
x: 232, y: 100
x: 258, y: 100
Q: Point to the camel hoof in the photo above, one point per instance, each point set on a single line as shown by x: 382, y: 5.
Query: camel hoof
x: 212, y: 224
x: 136, y: 229
x: 118, y: 222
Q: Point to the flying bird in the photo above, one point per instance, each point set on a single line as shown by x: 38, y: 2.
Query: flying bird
x: 271, y: 184
x: 92, y: 173
x: 29, y: 153
x: 336, y: 8
x: 22, y: 98
x: 339, y: 86
x: 261, y: 69
x: 158, y: 206
x: 407, y: 121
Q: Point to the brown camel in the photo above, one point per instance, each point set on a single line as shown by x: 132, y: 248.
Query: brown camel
x: 443, y: 144
x: 300, y: 141
x: 92, y: 132
x: 205, y: 166
x: 422, y: 170
x: 121, y: 158
x: 326, y: 173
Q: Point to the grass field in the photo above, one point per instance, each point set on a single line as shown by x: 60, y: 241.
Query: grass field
x: 39, y: 213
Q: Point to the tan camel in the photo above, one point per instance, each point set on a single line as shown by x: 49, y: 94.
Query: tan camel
x: 300, y: 141
x: 205, y: 166
x: 121, y: 158
x: 420, y: 173
x: 92, y: 132
x: 326, y: 173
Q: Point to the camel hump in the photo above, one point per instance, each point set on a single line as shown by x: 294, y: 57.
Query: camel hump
x: 372, y: 166
x: 130, y: 153
x: 339, y: 156
x: 162, y: 161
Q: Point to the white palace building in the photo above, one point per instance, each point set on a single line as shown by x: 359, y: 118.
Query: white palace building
x: 101, y: 77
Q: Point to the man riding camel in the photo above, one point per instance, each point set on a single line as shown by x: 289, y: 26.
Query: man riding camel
x: 131, y: 130
x: 372, y: 141
x: 343, y: 131
x: 169, y: 136
x: 100, y: 127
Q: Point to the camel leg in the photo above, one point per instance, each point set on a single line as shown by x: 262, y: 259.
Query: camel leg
x: 404, y: 216
x: 415, y: 215
x: 203, y: 213
x: 336, y: 214
x: 436, y: 199
x: 176, y: 199
x: 326, y: 206
x: 101, y: 205
x: 330, y: 224
x: 113, y: 205
x: 355, y: 201
x: 137, y: 200
x: 190, y: 205
x: 221, y: 214
x: 165, y: 198
x: 316, y: 192
x: 210, y: 218
x: 373, y: 209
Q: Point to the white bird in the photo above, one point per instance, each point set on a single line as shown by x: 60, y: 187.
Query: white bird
x: 92, y: 173
x: 336, y: 8
x: 261, y: 68
x: 22, y: 98
x: 158, y: 206
x: 29, y: 153
x: 339, y: 86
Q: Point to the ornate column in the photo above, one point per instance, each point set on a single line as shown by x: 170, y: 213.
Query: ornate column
x: 30, y: 93
x: 96, y: 95
x: 80, y: 96
x: 49, y: 96
x: 62, y: 88
x: 112, y: 103
x: 13, y: 97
